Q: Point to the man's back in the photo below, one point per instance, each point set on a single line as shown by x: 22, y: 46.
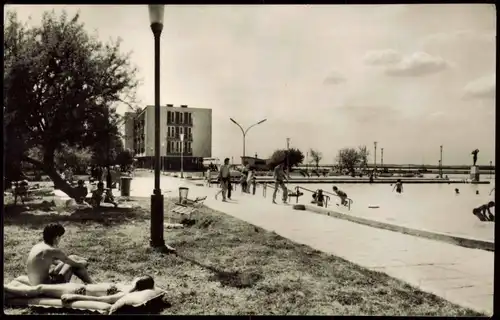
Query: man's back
x: 39, y: 261
x: 279, y: 174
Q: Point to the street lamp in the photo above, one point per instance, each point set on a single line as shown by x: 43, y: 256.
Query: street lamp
x: 156, y: 13
x: 288, y: 155
x: 162, y: 158
x: 375, y: 156
x: 182, y: 155
x: 382, y: 158
x: 440, y: 161
x: 245, y: 132
x: 491, y: 168
x: 152, y: 164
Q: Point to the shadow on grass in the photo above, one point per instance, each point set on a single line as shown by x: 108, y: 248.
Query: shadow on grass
x: 234, y: 279
x: 19, y: 216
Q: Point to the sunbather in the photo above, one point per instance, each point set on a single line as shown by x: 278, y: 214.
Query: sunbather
x: 21, y: 191
x: 100, y: 193
x: 68, y: 292
x: 112, y: 293
x: 47, y: 264
x: 81, y: 192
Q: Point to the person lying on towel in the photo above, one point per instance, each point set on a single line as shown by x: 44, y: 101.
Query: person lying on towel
x: 142, y: 288
x: 47, y: 264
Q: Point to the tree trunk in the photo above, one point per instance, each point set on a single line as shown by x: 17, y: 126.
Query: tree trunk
x: 49, y: 169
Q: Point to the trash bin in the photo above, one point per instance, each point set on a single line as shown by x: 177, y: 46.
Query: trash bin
x: 183, y: 194
x: 125, y: 186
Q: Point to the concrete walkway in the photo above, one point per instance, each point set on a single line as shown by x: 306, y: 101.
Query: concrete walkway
x: 461, y: 275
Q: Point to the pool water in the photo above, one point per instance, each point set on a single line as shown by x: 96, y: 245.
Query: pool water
x: 433, y: 207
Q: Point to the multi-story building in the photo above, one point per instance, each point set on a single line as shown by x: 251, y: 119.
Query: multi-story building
x: 194, y: 123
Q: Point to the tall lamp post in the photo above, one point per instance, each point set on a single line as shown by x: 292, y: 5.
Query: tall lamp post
x: 288, y: 156
x: 182, y: 154
x: 156, y: 13
x: 382, y: 158
x: 162, y: 158
x: 440, y: 161
x: 375, y: 156
x: 245, y: 132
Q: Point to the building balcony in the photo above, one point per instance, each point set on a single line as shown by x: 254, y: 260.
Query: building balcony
x: 178, y: 137
x: 180, y: 124
x: 178, y: 153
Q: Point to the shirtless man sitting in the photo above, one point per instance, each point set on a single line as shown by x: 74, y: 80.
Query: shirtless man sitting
x: 47, y: 264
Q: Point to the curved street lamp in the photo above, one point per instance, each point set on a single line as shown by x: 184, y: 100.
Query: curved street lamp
x: 182, y: 155
x: 156, y: 14
x: 244, y: 132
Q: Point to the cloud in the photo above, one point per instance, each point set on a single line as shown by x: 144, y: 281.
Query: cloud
x: 460, y: 37
x: 382, y: 57
x: 482, y: 88
x: 416, y: 65
x: 334, y: 78
x: 369, y: 114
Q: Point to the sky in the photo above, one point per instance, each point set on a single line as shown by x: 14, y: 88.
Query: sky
x: 410, y: 77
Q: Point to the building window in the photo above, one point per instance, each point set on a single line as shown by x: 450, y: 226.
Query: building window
x: 172, y: 149
x: 181, y: 131
x: 168, y: 116
x: 168, y: 148
x: 181, y: 117
x: 176, y: 117
x: 176, y: 132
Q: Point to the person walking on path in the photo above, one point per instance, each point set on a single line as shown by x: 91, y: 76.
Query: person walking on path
x: 250, y: 176
x: 279, y: 178
x: 224, y: 177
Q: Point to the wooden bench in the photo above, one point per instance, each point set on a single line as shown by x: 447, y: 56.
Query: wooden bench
x: 186, y: 208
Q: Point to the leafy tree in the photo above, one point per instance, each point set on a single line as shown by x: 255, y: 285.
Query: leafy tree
x: 363, y: 154
x: 125, y: 158
x: 106, y: 151
x: 316, y: 157
x: 348, y: 158
x: 291, y: 157
x: 61, y: 86
x: 77, y: 158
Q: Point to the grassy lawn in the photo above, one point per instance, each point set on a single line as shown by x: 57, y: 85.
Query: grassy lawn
x: 223, y: 266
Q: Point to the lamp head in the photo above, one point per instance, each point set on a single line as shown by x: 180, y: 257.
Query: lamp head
x: 262, y: 121
x: 233, y: 120
x: 156, y: 13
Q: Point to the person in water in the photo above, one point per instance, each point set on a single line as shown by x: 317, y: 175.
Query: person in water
x: 342, y: 195
x: 320, y: 198
x: 47, y: 264
x: 457, y: 191
x: 398, y: 186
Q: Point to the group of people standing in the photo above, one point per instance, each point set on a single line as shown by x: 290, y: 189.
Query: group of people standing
x: 248, y: 181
